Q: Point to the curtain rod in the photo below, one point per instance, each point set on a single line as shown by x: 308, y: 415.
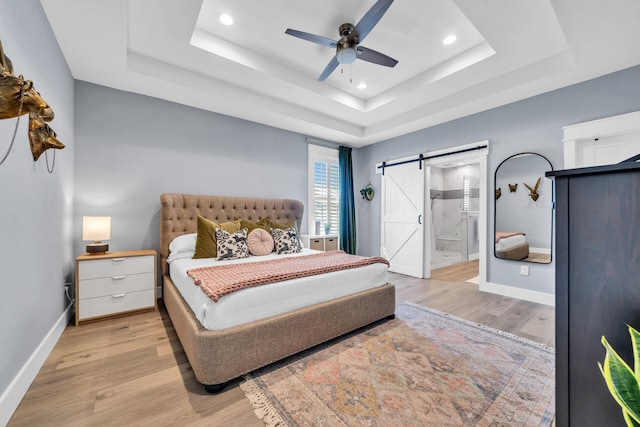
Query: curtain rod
x: 325, y: 143
x: 422, y: 157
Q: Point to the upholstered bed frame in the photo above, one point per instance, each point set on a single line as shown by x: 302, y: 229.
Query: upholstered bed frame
x: 219, y: 356
x: 517, y: 253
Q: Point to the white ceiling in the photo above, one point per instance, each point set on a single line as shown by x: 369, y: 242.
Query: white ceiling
x: 506, y: 50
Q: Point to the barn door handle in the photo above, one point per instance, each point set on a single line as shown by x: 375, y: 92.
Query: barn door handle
x: 420, y: 219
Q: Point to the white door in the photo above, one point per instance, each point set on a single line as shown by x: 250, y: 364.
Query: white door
x: 402, y: 215
x: 607, y: 151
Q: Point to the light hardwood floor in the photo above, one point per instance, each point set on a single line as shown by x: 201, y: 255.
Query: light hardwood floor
x: 132, y: 370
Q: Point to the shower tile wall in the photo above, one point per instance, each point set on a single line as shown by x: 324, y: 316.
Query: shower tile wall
x: 448, y: 204
x: 437, y: 192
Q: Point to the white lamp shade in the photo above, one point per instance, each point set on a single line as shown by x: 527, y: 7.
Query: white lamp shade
x: 96, y: 228
x: 347, y: 55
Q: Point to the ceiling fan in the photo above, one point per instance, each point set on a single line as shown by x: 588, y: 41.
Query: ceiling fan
x: 348, y: 48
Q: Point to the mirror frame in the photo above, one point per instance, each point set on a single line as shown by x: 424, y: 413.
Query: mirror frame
x: 495, y: 207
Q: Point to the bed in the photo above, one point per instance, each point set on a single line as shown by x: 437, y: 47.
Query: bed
x: 511, y: 245
x: 217, y: 356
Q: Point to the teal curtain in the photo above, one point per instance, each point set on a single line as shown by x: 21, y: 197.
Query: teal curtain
x: 347, y: 216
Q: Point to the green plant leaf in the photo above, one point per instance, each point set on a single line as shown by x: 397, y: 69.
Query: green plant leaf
x: 621, y: 381
x: 635, y: 343
x: 629, y: 419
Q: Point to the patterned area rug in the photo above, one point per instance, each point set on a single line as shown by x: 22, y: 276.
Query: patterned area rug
x: 423, y: 368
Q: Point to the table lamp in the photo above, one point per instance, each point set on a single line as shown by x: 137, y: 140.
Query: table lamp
x: 96, y: 229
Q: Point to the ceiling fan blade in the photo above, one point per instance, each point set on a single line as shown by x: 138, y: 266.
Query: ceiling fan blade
x: 332, y: 65
x: 324, y: 41
x: 371, y: 18
x: 375, y: 57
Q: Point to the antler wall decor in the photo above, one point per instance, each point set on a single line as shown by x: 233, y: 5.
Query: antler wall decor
x: 18, y: 97
x: 533, y: 192
x: 41, y: 136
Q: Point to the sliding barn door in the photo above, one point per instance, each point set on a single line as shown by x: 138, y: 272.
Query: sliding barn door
x: 403, y: 218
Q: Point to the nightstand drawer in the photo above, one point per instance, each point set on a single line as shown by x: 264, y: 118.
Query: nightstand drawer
x: 110, y: 267
x: 92, y: 288
x: 116, y: 303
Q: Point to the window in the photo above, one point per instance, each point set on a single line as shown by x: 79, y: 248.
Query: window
x: 323, y: 190
x: 466, y: 193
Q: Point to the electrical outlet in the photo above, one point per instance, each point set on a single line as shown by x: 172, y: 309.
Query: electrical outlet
x: 524, y: 270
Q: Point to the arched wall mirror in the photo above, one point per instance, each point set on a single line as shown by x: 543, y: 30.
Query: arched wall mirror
x: 523, y: 209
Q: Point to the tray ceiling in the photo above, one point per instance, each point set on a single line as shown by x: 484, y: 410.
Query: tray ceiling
x: 179, y: 51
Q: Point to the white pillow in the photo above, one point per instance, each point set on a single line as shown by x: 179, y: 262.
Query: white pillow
x: 182, y: 247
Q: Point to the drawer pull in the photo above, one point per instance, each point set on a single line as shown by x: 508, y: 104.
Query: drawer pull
x: 316, y: 241
x: 118, y: 277
x: 118, y: 259
x: 118, y: 295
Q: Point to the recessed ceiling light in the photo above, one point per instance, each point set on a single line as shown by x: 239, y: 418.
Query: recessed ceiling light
x: 226, y: 19
x: 449, y: 39
x: 362, y: 86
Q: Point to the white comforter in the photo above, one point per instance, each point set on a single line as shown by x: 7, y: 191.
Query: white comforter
x: 264, y: 301
x: 509, y: 242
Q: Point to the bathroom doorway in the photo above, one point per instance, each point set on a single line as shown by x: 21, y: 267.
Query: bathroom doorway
x: 468, y: 199
x: 454, y: 197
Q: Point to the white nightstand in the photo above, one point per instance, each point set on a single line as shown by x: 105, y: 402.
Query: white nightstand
x: 114, y: 284
x: 321, y: 243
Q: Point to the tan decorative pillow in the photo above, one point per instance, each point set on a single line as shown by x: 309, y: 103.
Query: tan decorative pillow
x: 206, y: 240
x: 260, y: 242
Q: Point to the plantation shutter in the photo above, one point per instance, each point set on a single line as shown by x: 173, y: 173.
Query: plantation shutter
x: 324, y: 195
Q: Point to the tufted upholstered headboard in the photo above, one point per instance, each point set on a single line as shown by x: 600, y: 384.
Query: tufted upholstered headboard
x: 179, y: 214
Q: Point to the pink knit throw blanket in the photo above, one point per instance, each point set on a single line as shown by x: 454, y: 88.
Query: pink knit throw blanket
x: 217, y: 281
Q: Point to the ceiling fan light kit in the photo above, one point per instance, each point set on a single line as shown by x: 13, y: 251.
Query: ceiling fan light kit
x: 348, y: 47
x: 347, y: 56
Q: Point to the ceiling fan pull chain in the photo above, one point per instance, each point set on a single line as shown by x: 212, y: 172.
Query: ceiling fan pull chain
x: 350, y: 73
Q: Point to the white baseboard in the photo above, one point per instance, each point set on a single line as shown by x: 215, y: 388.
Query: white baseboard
x: 523, y: 294
x: 12, y: 396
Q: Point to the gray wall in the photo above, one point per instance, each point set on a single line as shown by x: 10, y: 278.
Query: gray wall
x: 516, y: 211
x: 533, y: 124
x: 131, y: 148
x: 36, y: 210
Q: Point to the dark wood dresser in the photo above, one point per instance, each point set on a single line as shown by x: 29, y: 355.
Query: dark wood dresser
x: 597, y: 285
